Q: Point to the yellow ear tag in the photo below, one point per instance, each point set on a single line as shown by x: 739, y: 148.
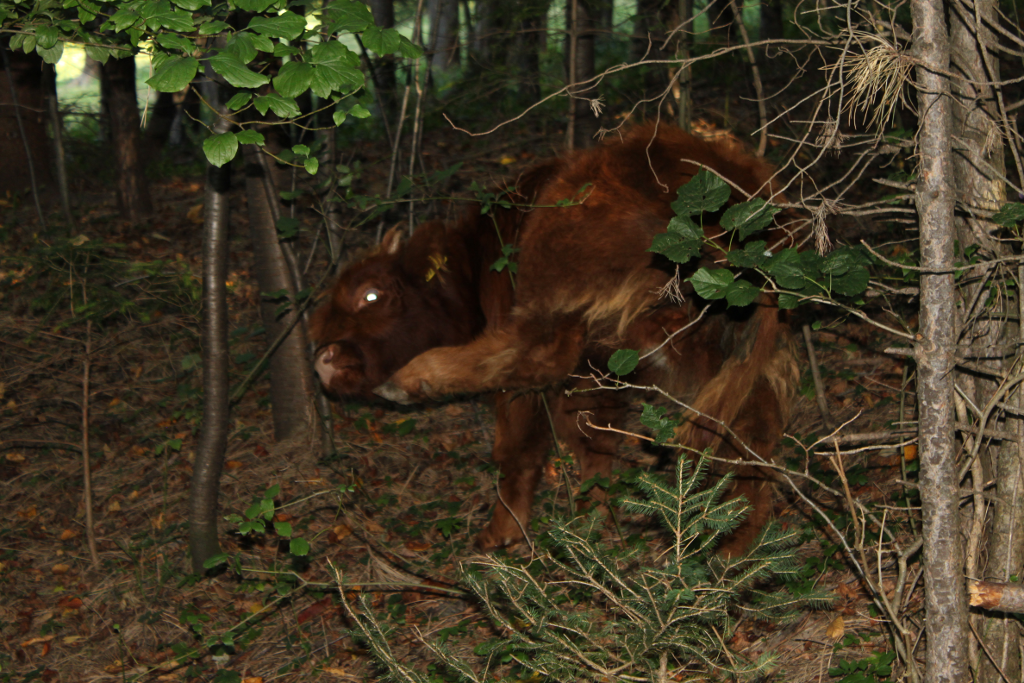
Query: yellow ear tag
x: 437, y: 266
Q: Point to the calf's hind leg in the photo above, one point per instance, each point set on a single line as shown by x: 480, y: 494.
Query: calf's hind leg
x: 521, y: 441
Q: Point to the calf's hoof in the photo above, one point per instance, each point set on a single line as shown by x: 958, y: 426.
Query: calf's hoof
x: 392, y: 392
x: 491, y: 539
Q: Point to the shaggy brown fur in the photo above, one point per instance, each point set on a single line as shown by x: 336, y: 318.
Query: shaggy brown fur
x: 429, y: 317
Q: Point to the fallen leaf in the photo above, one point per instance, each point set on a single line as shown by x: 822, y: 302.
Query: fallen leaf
x: 836, y: 629
x: 68, y: 534
x: 338, y: 532
x: 61, y: 568
x: 15, y: 457
x: 195, y: 215
x: 234, y: 465
x: 27, y: 513
x: 115, y: 506
x: 910, y: 452
x: 35, y: 641
x: 505, y: 161
x: 418, y: 546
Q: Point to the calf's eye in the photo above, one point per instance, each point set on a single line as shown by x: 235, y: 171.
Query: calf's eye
x: 370, y: 296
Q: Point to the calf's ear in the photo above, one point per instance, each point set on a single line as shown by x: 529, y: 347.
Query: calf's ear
x: 391, y: 241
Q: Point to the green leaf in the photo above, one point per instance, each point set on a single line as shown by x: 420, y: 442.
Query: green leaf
x: 250, y: 137
x: 193, y: 5
x: 301, y: 150
x: 235, y: 72
x: 336, y: 68
x: 1009, y: 215
x: 339, y: 117
x: 852, y: 283
x: 704, y: 193
x: 254, y: 5
x: 347, y: 15
x: 751, y: 255
x: 172, y: 41
x: 408, y: 49
x: 124, y: 19
x: 741, y: 293
x: 711, y: 284
x: 624, y: 361
x: 212, y: 27
x: 46, y: 37
x: 293, y: 79
x: 288, y: 25
x: 159, y: 14
x: 284, y: 107
x: 359, y: 111
x: 283, y: 529
x: 675, y: 247
x: 299, y: 547
x: 785, y: 268
x: 220, y: 149
x: 100, y: 54
x: 653, y: 417
x: 174, y: 74
x: 288, y: 227
x: 283, y: 50
x: 382, y: 41
x: 239, y: 100
x: 51, y: 55
x: 788, y: 301
x: 749, y: 217
x: 263, y: 43
x: 242, y: 46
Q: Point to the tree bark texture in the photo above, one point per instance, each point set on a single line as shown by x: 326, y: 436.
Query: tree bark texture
x: 203, y: 542
x: 444, y: 34
x: 26, y: 86
x: 291, y: 381
x: 384, y: 68
x: 979, y: 167
x: 120, y: 104
x: 581, y: 20
x: 945, y: 598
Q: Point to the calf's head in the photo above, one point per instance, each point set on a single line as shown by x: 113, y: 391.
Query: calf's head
x: 400, y: 300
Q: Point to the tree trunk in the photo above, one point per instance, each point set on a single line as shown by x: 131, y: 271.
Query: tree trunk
x: 581, y: 21
x: 25, y: 86
x: 444, y: 34
x: 203, y: 542
x: 117, y: 89
x: 979, y: 168
x: 384, y: 69
x: 291, y: 379
x: 945, y: 597
x: 529, y: 42
x: 771, y: 20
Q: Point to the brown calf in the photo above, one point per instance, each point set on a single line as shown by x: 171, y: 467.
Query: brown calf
x: 428, y: 317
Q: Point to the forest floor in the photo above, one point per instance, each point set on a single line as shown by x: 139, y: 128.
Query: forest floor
x: 392, y: 515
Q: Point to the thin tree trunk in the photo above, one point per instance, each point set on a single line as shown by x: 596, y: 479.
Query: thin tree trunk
x: 203, y: 542
x: 684, y: 95
x: 384, y: 68
x: 444, y: 34
x: 979, y: 167
x: 120, y: 104
x: 291, y: 381
x: 26, y: 157
x: 945, y: 597
x: 583, y: 121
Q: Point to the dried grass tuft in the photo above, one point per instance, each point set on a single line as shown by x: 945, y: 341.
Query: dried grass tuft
x: 877, y: 78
